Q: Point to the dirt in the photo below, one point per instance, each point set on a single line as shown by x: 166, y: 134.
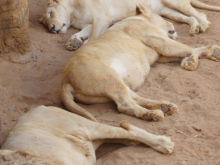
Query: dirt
x: 195, y: 129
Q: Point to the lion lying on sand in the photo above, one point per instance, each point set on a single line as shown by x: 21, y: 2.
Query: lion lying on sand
x: 111, y: 67
x: 94, y: 17
x: 52, y: 136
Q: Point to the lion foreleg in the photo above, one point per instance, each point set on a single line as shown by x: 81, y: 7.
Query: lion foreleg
x: 100, y: 24
x: 170, y: 48
x: 77, y: 39
x: 209, y: 52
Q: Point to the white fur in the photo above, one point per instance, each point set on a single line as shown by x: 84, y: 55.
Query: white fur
x: 55, y: 136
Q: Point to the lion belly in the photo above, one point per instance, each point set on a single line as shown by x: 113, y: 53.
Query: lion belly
x: 124, y: 8
x: 133, y: 68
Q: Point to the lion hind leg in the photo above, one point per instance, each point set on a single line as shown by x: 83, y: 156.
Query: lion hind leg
x: 179, y: 17
x: 108, y: 84
x: 186, y: 8
x: 128, y: 106
x: 113, y: 87
x: 130, y: 133
x: 86, y: 99
x: 167, y: 107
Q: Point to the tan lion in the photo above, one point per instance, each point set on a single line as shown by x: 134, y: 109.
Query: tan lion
x: 93, y: 17
x: 52, y: 136
x: 111, y: 67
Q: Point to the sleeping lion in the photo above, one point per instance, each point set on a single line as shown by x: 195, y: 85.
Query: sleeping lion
x: 52, y: 136
x: 115, y: 64
x: 93, y: 17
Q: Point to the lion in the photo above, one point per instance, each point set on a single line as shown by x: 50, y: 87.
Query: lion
x: 94, y: 17
x: 52, y: 136
x: 117, y: 63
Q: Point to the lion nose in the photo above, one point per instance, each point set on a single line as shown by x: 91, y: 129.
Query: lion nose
x: 171, y: 31
x: 53, y: 27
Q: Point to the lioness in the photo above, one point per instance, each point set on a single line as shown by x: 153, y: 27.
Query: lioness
x: 93, y: 17
x: 51, y: 136
x: 112, y: 66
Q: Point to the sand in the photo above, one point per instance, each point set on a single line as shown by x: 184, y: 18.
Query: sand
x: 195, y: 129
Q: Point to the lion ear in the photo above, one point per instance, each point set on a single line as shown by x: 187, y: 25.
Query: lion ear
x: 40, y: 20
x: 49, y: 1
x: 140, y: 9
x: 53, y: 1
x: 56, y: 1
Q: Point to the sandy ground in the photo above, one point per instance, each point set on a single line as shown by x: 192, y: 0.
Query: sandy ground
x: 196, y: 93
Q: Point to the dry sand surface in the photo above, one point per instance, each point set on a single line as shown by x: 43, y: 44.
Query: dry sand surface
x: 197, y: 94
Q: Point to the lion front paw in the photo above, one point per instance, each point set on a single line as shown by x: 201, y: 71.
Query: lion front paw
x: 214, y: 54
x: 203, y: 27
x: 74, y: 43
x: 190, y: 63
x: 169, y: 109
x: 194, y: 30
x: 155, y: 115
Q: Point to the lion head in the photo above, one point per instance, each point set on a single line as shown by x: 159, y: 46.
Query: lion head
x: 157, y: 20
x: 56, y: 17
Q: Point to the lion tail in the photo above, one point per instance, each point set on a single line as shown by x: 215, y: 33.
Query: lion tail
x: 67, y: 99
x: 201, y: 5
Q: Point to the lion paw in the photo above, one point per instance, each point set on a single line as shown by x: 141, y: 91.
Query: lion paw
x: 156, y: 115
x: 164, y: 145
x: 216, y: 55
x: 169, y: 109
x: 203, y: 27
x: 74, y: 43
x: 213, y: 55
x: 194, y: 30
x: 190, y: 63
